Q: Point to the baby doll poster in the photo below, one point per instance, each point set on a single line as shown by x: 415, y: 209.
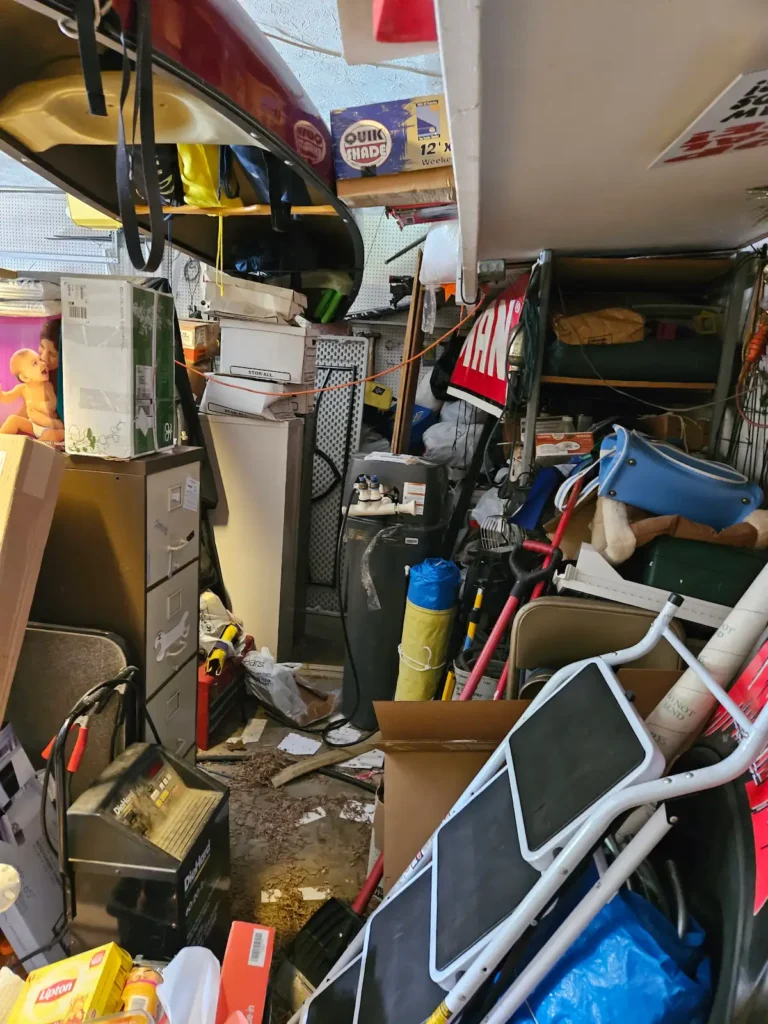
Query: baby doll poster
x: 30, y: 374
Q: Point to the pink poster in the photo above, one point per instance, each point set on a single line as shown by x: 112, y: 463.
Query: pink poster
x: 30, y: 377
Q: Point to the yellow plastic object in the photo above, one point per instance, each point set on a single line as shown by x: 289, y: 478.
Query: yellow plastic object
x: 85, y: 216
x: 217, y: 657
x: 199, y: 166
x: 378, y: 395
x: 422, y: 651
x: 132, y: 1017
x: 77, y: 989
x: 53, y: 111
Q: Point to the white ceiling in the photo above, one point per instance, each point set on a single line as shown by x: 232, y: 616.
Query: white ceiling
x: 328, y: 80
x: 576, y: 100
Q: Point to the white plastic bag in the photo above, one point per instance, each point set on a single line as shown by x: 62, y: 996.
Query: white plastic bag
x: 489, y: 505
x: 189, y: 990
x: 438, y: 266
x: 462, y: 412
x: 441, y: 254
x: 274, y: 684
x: 450, y: 444
x: 424, y: 396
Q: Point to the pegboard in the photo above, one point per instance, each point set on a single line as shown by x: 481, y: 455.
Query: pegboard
x: 31, y: 225
x: 339, y: 422
x: 382, y: 238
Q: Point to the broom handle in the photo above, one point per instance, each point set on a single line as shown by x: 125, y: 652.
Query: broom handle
x: 538, y: 590
x: 370, y: 886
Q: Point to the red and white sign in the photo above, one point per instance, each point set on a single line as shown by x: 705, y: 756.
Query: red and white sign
x: 736, y: 120
x: 750, y: 692
x: 480, y: 374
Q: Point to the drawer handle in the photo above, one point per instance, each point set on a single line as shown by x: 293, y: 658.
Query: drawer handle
x: 175, y: 650
x: 182, y: 543
x: 167, y: 643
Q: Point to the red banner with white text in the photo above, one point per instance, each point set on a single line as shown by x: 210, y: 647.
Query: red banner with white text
x: 480, y: 374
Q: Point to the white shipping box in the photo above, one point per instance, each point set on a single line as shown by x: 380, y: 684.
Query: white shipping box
x: 119, y: 385
x: 285, y: 355
x: 264, y: 298
x: 221, y: 399
x: 29, y: 922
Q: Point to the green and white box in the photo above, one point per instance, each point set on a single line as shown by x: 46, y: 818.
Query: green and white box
x: 117, y: 362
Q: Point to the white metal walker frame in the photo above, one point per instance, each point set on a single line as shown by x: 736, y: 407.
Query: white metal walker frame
x: 752, y: 741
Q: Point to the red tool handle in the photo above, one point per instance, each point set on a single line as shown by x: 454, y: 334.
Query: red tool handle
x: 538, y: 590
x: 78, y: 750
x: 370, y: 885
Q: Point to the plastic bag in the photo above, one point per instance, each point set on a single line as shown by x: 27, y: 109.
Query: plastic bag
x: 489, y: 505
x: 425, y: 396
x: 190, y: 988
x: 463, y: 413
x: 627, y: 965
x: 450, y: 444
x: 214, y: 618
x: 274, y: 684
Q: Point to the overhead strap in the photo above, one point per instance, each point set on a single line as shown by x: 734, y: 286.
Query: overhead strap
x: 279, y: 207
x: 89, y: 56
x: 143, y: 115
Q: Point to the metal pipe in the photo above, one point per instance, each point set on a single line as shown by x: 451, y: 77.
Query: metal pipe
x: 733, y: 709
x: 532, y: 406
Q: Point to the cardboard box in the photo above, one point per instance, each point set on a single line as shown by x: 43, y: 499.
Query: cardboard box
x: 391, y: 137
x: 29, y: 923
x: 433, y: 750
x: 250, y: 298
x: 557, y: 446
x: 245, y: 972
x: 285, y: 355
x: 222, y: 400
x: 436, y: 185
x: 119, y: 391
x: 199, y: 339
x: 30, y: 475
x: 74, y: 989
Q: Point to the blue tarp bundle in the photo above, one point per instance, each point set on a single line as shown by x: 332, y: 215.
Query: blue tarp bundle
x: 434, y: 584
x: 627, y: 966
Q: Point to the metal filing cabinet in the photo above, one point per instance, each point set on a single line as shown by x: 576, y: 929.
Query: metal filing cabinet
x: 123, y: 555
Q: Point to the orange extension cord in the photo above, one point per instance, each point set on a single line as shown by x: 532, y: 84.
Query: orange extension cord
x: 352, y: 383
x: 752, y: 355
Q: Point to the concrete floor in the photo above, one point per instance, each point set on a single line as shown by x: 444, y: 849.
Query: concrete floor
x: 275, y: 858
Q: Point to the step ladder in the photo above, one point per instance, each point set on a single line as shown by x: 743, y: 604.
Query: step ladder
x: 578, y: 759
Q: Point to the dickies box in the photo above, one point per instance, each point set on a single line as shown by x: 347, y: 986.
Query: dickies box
x: 119, y: 387
x: 391, y: 137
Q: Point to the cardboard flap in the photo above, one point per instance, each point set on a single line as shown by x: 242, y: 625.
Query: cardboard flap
x: 416, y: 721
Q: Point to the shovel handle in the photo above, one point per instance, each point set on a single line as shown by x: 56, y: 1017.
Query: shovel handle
x: 370, y: 885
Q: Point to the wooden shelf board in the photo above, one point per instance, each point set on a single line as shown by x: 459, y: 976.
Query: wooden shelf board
x: 260, y: 210
x: 598, y: 383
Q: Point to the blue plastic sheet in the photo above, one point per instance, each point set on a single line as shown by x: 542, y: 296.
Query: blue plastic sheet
x: 627, y: 967
x: 434, y: 584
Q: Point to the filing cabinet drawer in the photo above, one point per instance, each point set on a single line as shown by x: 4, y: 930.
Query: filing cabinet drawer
x: 172, y: 610
x: 173, y: 520
x: 173, y: 709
